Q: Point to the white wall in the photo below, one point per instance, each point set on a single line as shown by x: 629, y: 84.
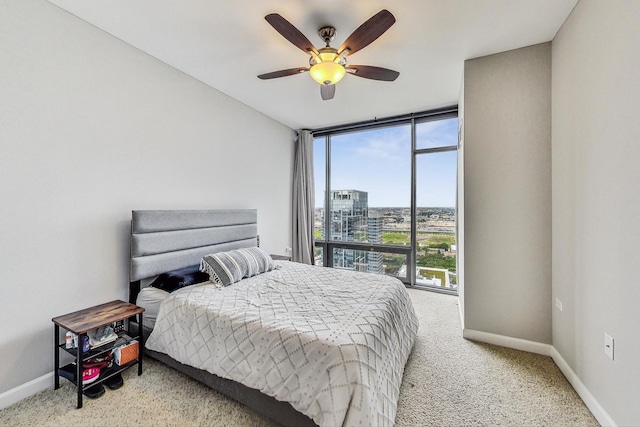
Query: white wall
x: 596, y: 200
x: 507, y: 194
x: 91, y: 128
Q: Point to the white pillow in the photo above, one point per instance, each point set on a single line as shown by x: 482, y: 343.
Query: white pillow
x: 150, y: 298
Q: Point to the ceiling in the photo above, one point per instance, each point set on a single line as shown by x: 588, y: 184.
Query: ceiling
x: 226, y: 44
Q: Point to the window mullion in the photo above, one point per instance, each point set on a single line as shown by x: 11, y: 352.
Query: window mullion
x: 327, y: 260
x: 411, y: 262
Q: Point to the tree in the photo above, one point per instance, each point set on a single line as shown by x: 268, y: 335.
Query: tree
x: 437, y: 260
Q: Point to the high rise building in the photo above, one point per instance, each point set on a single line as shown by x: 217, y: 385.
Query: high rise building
x: 351, y: 221
x: 375, y: 259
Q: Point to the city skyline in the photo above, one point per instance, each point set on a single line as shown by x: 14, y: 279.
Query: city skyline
x: 378, y: 161
x: 392, y: 207
x: 352, y: 220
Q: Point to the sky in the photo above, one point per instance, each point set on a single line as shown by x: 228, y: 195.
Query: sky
x: 378, y: 161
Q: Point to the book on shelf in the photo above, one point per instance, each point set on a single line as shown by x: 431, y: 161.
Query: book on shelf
x: 96, y: 340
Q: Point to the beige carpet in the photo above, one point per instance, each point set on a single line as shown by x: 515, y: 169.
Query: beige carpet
x: 448, y: 381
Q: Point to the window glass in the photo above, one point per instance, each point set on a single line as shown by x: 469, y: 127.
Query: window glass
x: 436, y: 219
x: 318, y: 256
x: 369, y: 201
x: 371, y: 262
x: 370, y: 194
x: 437, y: 133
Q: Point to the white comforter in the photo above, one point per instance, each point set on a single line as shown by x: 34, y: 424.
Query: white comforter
x: 332, y: 343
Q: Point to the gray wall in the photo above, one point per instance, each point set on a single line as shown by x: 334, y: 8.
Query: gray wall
x: 507, y: 193
x: 596, y: 200
x: 91, y: 128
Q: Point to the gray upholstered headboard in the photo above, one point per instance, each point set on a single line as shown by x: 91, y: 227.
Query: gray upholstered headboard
x: 164, y: 240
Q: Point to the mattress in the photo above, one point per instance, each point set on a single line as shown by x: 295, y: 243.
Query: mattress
x: 332, y: 343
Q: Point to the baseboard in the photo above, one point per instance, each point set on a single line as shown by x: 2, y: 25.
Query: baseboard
x: 509, y: 342
x: 546, y: 350
x: 25, y: 390
x: 594, y: 406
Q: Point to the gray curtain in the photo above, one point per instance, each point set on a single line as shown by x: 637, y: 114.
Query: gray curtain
x: 303, y: 199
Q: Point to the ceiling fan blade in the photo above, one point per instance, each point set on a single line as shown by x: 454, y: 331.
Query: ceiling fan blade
x: 366, y: 33
x: 327, y: 91
x: 373, y: 73
x: 291, y: 33
x: 283, y: 73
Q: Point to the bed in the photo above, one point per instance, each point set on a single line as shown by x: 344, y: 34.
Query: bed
x: 302, y: 345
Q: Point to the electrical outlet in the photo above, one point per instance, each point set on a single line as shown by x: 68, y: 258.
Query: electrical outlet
x: 287, y: 251
x: 558, y: 304
x: 608, y: 345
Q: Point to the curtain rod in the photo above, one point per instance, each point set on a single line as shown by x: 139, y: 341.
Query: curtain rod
x: 438, y: 113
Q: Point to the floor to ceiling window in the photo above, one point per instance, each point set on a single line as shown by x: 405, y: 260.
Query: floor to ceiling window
x: 385, y: 198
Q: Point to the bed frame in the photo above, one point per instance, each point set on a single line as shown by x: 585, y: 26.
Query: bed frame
x: 164, y: 240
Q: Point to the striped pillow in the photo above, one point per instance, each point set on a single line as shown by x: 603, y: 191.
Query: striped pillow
x: 225, y: 268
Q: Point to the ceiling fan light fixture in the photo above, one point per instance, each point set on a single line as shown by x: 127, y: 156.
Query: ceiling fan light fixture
x: 327, y: 72
x: 329, y: 69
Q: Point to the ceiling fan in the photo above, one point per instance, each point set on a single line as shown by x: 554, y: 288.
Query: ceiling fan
x: 328, y: 65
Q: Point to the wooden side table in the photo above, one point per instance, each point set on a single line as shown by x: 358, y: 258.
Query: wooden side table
x: 79, y: 323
